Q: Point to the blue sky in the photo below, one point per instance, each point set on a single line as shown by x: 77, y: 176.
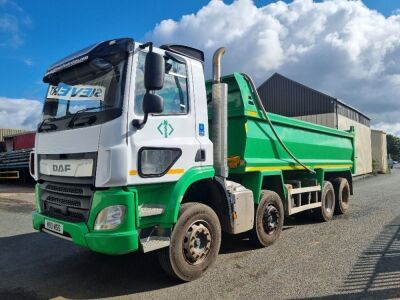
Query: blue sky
x: 35, y: 34
x: 53, y: 29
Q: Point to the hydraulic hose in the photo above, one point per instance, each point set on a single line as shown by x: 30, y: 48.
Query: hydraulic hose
x: 259, y: 102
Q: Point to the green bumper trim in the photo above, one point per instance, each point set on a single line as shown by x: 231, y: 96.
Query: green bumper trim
x: 121, y: 240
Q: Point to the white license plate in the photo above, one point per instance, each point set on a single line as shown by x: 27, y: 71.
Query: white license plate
x: 53, y: 226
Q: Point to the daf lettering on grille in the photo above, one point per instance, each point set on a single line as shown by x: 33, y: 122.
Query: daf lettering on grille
x: 61, y: 168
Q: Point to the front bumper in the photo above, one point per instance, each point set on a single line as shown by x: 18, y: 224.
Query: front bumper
x: 121, y: 240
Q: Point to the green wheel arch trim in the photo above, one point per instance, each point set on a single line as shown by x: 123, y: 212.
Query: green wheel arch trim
x: 189, y: 177
x: 166, y: 194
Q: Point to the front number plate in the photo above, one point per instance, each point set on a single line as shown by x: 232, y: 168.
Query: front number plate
x: 53, y: 226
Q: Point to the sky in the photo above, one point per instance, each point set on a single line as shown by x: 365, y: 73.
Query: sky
x: 348, y: 49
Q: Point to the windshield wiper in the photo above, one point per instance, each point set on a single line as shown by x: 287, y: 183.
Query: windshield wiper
x: 76, y: 114
x: 46, y: 122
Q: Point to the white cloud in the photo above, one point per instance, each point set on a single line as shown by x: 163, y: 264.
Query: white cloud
x: 28, y: 61
x: 19, y: 113
x: 340, y: 47
x: 390, y: 128
x: 12, y: 20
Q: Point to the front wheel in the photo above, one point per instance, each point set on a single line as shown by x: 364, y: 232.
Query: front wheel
x: 195, y: 242
x: 268, y: 221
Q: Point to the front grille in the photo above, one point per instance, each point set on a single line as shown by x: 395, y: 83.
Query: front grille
x: 64, y: 189
x: 61, y: 201
x: 66, y: 201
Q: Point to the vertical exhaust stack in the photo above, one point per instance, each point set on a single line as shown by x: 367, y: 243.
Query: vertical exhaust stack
x: 219, y: 128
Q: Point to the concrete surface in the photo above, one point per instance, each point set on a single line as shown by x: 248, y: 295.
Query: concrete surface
x: 355, y: 256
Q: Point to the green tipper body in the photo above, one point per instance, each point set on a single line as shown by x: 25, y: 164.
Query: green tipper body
x: 252, y: 146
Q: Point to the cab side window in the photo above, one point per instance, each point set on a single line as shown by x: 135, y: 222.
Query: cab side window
x: 174, y: 91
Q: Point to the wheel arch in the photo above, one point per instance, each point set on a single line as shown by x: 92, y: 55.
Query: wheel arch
x: 210, y: 192
x: 190, y: 177
x: 331, y: 175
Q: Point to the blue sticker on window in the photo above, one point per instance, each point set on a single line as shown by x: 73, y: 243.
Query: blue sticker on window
x: 201, y: 129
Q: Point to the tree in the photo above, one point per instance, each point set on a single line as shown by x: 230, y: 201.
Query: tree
x: 393, y: 146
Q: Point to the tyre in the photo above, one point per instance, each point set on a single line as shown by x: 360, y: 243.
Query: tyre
x: 327, y: 196
x: 268, y: 220
x: 342, y: 195
x: 195, y: 242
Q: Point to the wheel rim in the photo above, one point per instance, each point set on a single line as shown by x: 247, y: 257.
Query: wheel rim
x: 197, y: 242
x: 329, y: 202
x: 271, y: 219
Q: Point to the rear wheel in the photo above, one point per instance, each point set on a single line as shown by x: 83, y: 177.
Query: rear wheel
x: 325, y: 213
x: 268, y: 221
x: 195, y: 242
x: 342, y: 195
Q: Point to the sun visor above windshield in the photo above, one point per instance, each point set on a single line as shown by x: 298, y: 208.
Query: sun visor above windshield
x: 113, y: 50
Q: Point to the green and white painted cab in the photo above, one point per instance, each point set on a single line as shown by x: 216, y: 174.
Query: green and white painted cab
x: 125, y: 159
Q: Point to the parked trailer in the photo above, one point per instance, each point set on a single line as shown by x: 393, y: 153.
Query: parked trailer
x: 14, y: 162
x: 164, y: 163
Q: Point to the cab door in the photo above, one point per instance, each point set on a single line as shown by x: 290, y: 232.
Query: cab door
x: 166, y: 147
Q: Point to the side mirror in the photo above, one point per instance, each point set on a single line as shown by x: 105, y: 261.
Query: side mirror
x: 152, y: 103
x: 154, y: 71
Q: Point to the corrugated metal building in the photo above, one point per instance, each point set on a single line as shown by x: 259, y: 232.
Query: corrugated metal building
x: 7, y: 132
x: 379, y: 151
x: 4, y: 132
x: 287, y: 97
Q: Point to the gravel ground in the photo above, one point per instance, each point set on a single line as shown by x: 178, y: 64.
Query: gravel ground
x: 353, y: 256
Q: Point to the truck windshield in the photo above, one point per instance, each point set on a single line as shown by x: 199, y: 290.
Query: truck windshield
x: 91, y: 92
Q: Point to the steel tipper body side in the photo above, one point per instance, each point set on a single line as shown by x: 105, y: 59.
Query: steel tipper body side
x: 254, y: 151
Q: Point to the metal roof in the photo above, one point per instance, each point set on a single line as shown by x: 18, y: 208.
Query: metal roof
x: 297, y: 91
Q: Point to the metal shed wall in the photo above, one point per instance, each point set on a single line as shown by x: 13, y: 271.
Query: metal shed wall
x: 379, y: 151
x: 362, y: 144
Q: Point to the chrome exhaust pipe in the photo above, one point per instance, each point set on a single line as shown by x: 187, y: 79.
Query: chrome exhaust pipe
x: 217, y: 64
x: 219, y: 128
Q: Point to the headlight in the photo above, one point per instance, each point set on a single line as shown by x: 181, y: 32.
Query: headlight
x: 110, y: 217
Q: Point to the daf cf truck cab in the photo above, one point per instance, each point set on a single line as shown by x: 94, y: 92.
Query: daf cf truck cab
x: 131, y: 154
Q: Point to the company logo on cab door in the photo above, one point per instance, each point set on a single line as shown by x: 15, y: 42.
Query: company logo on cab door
x: 165, y: 128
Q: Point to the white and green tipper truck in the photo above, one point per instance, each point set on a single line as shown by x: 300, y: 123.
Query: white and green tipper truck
x: 136, y: 152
